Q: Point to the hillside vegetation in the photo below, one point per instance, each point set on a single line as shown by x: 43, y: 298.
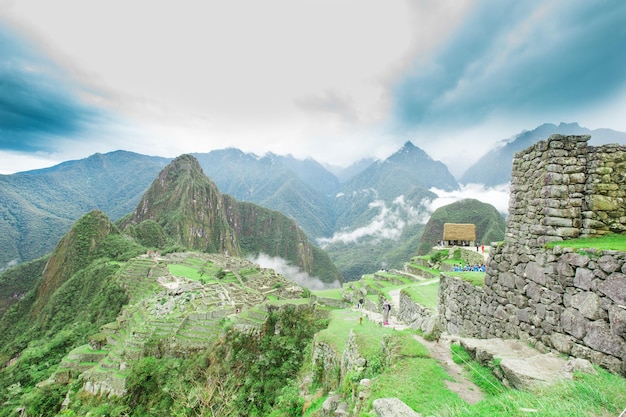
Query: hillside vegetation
x: 378, y: 207
x: 191, y: 334
x: 490, y: 225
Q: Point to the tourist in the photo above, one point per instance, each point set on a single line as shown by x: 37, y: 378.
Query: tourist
x: 386, y: 310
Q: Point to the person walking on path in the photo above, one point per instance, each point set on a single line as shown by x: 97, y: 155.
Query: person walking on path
x: 386, y: 309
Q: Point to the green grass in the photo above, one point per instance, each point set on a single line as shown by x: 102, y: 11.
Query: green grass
x: 414, y: 378
x: 602, y: 395
x: 335, y: 293
x: 608, y: 242
x: 474, y: 278
x: 186, y: 272
x: 480, y: 375
x: 424, y: 295
x: 290, y: 301
x: 369, y: 334
x: 424, y: 268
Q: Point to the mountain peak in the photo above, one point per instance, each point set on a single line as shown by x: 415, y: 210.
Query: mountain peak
x: 185, y: 162
x: 187, y: 204
x: 409, y: 152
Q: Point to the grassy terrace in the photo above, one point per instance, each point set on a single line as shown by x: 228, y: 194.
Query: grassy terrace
x: 329, y: 293
x: 368, y: 334
x: 424, y: 295
x: 608, y: 242
x: 419, y: 380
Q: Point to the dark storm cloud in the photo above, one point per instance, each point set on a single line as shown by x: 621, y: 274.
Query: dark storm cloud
x: 514, y: 57
x: 37, y: 102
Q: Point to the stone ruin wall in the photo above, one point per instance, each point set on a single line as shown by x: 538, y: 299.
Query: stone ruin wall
x: 570, y: 301
x: 561, y: 188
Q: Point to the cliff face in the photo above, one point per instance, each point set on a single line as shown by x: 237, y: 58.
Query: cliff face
x: 262, y: 230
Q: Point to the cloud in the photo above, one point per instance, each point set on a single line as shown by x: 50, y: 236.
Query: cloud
x: 518, y: 58
x: 387, y: 224
x: 294, y: 273
x: 39, y: 106
x: 390, y: 221
x: 497, y: 196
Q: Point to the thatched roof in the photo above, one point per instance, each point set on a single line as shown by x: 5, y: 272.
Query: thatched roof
x: 459, y: 231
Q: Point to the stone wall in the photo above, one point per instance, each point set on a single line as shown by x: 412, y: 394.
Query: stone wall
x: 415, y: 315
x: 557, y: 299
x: 570, y: 301
x: 562, y: 188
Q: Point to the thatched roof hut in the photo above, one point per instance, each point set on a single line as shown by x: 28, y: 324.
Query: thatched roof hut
x: 459, y: 231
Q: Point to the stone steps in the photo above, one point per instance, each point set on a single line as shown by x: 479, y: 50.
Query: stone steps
x: 522, y: 366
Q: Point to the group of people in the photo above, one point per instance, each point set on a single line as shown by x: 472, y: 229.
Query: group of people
x: 469, y: 268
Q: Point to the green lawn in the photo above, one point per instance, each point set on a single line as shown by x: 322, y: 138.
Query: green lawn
x: 613, y: 241
x: 474, y: 278
x: 186, y: 272
x: 342, y: 321
x: 424, y: 295
x: 329, y: 293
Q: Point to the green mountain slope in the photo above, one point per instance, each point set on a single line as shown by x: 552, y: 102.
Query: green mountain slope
x: 71, y: 299
x: 490, y: 225
x: 184, y: 205
x: 298, y: 189
x: 38, y: 207
x: 97, y: 308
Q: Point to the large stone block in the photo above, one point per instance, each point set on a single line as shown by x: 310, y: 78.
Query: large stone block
x: 589, y: 305
x: 576, y: 259
x: 583, y: 278
x: 557, y: 221
x: 600, y: 338
x: 598, y: 202
x: 393, y: 407
x: 535, y: 273
x: 608, y: 264
x: 614, y: 286
x: 573, y: 323
x: 617, y: 321
x: 561, y: 342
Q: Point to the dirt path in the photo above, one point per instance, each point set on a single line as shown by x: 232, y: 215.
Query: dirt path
x: 439, y: 350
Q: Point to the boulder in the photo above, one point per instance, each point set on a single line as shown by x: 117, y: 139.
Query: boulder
x: 393, y: 407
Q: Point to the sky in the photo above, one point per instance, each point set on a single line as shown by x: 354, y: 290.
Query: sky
x: 333, y: 80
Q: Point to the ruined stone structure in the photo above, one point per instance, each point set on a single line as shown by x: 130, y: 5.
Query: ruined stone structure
x: 561, y: 188
x: 558, y: 299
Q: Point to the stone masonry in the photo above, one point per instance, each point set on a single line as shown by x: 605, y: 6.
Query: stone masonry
x: 559, y: 299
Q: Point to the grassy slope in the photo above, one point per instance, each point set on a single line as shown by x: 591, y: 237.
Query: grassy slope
x: 410, y: 374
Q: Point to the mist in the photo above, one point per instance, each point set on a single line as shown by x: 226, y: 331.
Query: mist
x: 497, y: 196
x: 387, y: 224
x: 294, y: 273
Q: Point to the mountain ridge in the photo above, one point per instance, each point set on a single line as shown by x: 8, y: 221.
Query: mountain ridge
x: 38, y: 207
x: 494, y: 168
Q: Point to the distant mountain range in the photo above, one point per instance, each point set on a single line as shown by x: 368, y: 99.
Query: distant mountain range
x: 495, y: 166
x: 365, y: 216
